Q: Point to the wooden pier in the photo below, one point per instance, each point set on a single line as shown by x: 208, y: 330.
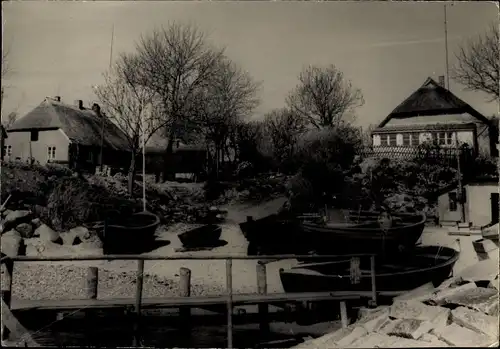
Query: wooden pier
x: 264, y: 303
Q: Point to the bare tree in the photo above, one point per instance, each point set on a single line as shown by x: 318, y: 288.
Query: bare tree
x: 478, y: 66
x: 284, y: 128
x: 323, y: 96
x: 10, y: 119
x: 131, y: 107
x: 229, y: 97
x: 174, y: 63
x: 5, y: 71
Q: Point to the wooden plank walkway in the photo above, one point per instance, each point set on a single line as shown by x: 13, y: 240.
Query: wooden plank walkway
x: 175, y: 302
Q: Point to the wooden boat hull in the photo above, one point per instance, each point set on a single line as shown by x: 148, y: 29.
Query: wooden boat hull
x: 428, y: 264
x: 365, y: 237
x: 130, y: 235
x: 272, y: 235
x: 206, y: 235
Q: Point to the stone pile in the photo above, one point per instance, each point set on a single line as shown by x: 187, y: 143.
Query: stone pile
x: 20, y: 230
x: 460, y: 312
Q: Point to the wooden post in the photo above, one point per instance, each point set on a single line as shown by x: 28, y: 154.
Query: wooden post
x: 229, y: 289
x: 343, y: 314
x: 185, y: 291
x: 92, y: 282
x: 8, y: 269
x: 374, y: 286
x: 262, y: 289
x: 91, y: 290
x: 138, y: 300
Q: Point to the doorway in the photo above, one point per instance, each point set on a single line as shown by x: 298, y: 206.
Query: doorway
x: 494, y: 208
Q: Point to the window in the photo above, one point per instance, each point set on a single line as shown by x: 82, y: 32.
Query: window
x: 90, y: 156
x: 376, y: 140
x: 399, y: 139
x: 441, y: 138
x: 7, y: 150
x: 406, y: 139
x: 449, y: 138
x: 34, y: 136
x: 51, y: 153
x: 414, y: 139
x: 392, y: 139
x: 452, y: 198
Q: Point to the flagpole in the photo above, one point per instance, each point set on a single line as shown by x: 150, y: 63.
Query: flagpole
x: 143, y: 164
x: 446, y: 48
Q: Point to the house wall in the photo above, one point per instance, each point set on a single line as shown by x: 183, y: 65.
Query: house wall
x: 21, y: 144
x: 444, y: 212
x: 479, y: 203
x: 478, y: 138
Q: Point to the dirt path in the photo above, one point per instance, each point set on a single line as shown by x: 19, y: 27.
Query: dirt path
x: 210, y: 273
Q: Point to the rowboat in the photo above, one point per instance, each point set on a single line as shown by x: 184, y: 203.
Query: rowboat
x: 273, y: 234
x: 364, y: 234
x: 130, y: 234
x: 426, y: 264
x: 204, y: 236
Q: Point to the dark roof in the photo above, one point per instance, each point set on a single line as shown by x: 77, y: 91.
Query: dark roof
x: 158, y: 143
x: 82, y: 126
x: 432, y: 99
x: 429, y: 127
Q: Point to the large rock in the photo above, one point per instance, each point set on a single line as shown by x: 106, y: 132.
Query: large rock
x: 475, y: 298
x: 408, y: 328
x: 476, y: 321
x: 415, y: 310
x: 433, y: 340
x: 17, y: 217
x: 36, y: 222
x: 440, y: 298
x: 459, y: 336
x: 373, y: 340
x: 70, y: 238
x: 46, y: 233
x: 451, y: 283
x: 11, y: 243
x: 25, y: 229
x: 6, y: 213
x: 374, y: 321
x: 81, y: 232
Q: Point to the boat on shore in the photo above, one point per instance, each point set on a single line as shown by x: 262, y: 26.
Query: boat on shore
x: 204, y: 236
x: 130, y: 234
x: 405, y: 272
x: 363, y: 232
x: 273, y: 234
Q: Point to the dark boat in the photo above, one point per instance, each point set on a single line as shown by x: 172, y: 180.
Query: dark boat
x: 426, y: 264
x: 130, y: 234
x: 204, y: 236
x: 362, y: 232
x: 273, y: 234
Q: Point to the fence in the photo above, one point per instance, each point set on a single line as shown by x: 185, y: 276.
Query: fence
x: 9, y: 322
x: 420, y: 153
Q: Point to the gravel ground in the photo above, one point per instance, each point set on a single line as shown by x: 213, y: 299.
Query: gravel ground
x: 117, y: 279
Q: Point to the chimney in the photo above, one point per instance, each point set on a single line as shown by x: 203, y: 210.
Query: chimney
x: 57, y: 98
x: 96, y: 109
x: 79, y: 103
x: 441, y: 81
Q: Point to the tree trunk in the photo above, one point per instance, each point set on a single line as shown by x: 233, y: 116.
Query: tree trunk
x: 131, y: 174
x: 168, y: 170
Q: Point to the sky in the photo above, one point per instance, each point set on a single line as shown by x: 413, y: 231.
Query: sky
x: 386, y: 49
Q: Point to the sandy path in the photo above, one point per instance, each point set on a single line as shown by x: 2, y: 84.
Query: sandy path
x: 209, y: 273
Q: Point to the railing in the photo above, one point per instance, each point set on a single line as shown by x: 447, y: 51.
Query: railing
x: 8, y: 262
